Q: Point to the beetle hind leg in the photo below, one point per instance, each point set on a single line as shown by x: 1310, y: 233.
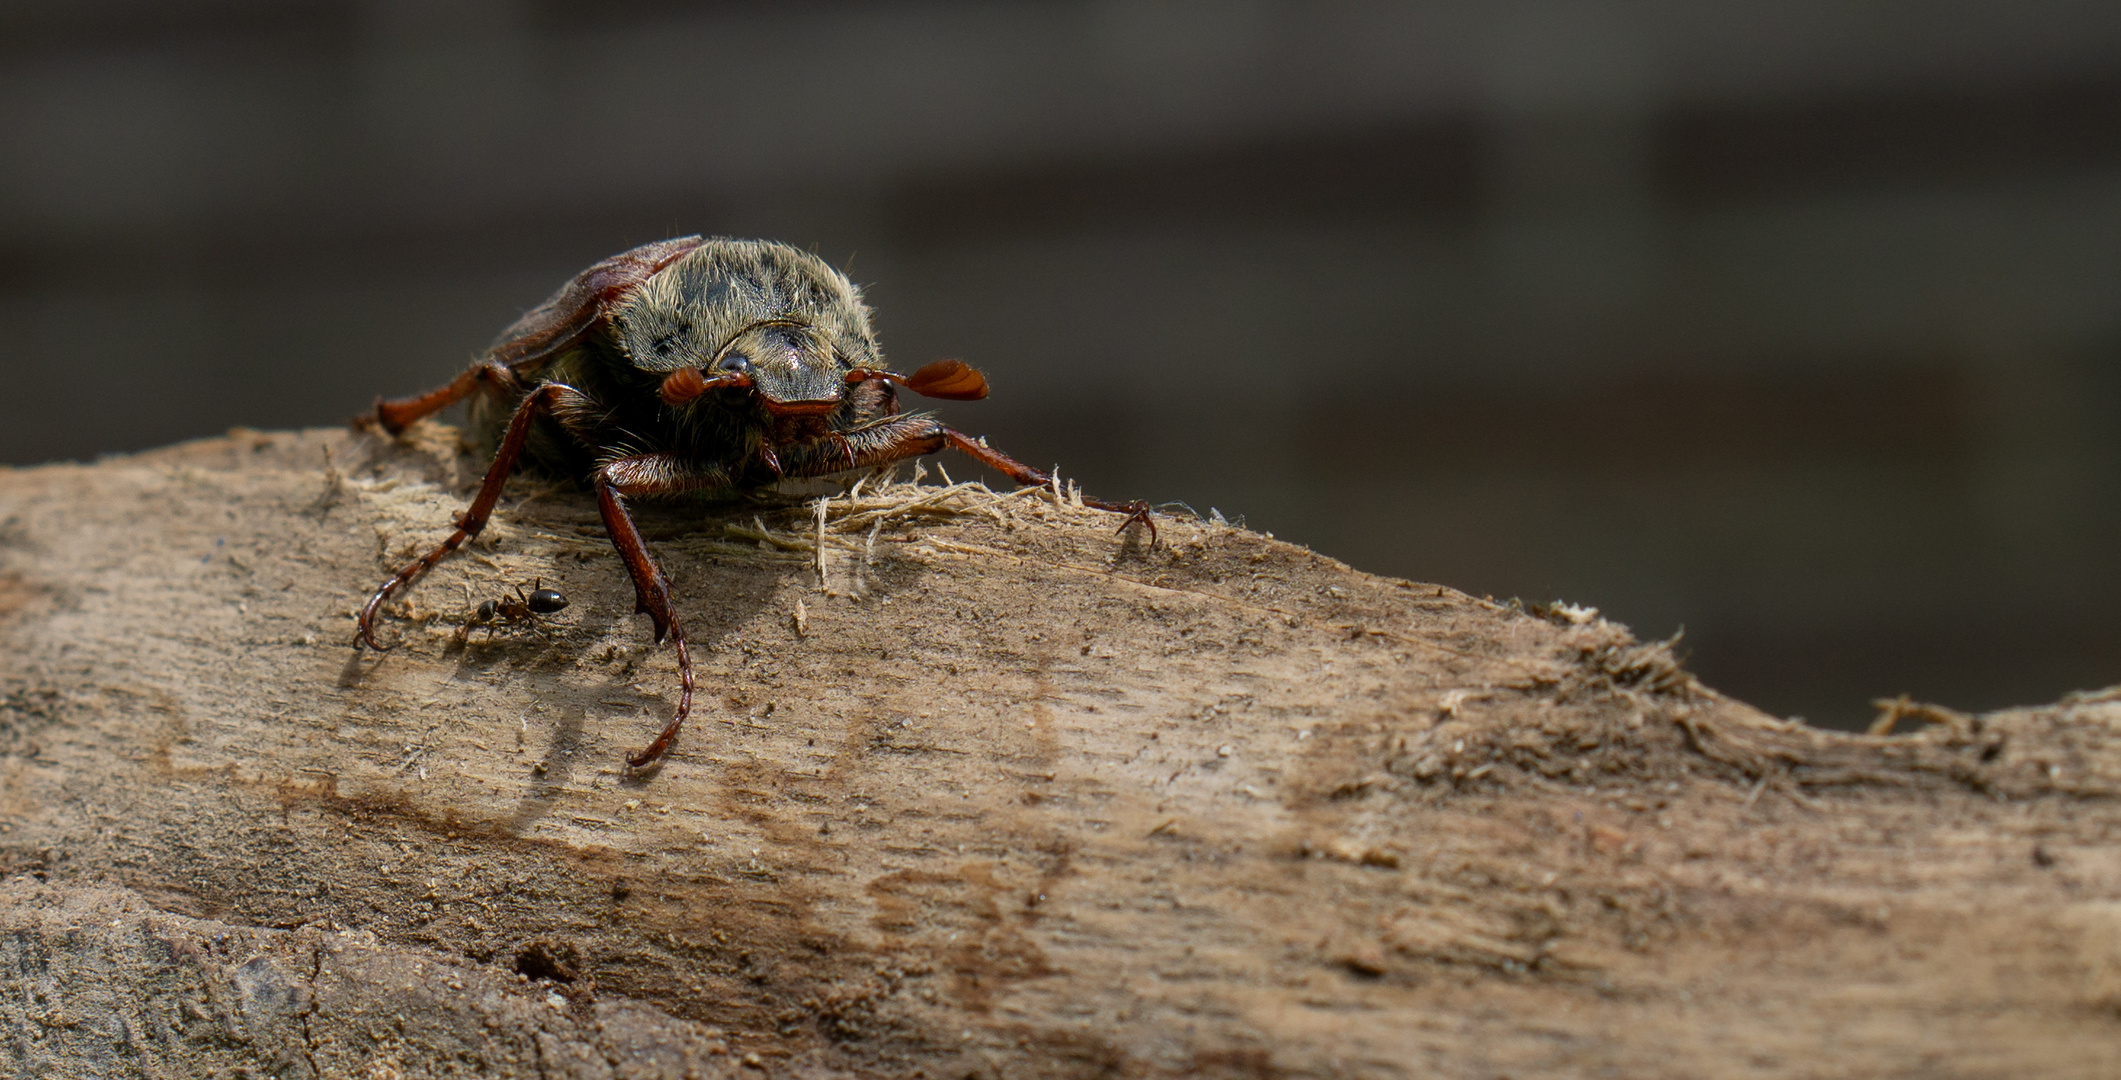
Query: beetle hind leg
x: 394, y: 415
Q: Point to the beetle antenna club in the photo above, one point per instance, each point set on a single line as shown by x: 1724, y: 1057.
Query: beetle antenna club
x: 698, y: 367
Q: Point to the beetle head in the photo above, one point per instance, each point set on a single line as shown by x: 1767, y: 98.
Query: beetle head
x: 790, y: 366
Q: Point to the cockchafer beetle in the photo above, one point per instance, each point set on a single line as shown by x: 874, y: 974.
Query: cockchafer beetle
x: 703, y: 367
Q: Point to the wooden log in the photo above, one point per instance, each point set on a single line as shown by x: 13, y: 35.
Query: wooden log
x: 976, y: 787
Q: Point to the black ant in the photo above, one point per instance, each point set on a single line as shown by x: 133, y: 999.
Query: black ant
x: 522, y: 608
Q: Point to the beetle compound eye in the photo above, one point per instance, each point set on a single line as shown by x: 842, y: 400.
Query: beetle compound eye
x: 736, y: 363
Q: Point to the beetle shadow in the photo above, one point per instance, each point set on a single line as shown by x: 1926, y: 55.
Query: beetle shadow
x: 1136, y: 542
x: 361, y: 662
x: 716, y: 595
x: 719, y: 596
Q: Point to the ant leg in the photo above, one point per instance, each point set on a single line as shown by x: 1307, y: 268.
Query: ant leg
x: 549, y: 397
x: 395, y: 415
x: 653, y: 474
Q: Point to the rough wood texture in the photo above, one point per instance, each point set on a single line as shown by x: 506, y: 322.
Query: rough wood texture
x: 1011, y: 796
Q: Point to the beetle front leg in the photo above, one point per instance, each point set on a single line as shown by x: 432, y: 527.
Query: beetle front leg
x: 908, y: 437
x: 653, y: 474
x: 551, y: 397
x: 1135, y: 509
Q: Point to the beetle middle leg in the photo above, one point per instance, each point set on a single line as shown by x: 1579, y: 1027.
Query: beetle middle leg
x: 565, y: 402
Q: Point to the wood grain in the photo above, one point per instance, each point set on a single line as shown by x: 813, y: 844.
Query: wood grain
x: 1013, y: 796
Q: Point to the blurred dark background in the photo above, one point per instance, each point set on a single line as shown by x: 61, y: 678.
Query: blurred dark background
x: 1797, y: 323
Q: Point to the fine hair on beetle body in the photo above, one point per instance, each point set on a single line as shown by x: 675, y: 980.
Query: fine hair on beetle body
x: 692, y: 367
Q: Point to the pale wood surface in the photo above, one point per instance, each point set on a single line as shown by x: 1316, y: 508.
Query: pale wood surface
x: 1019, y: 797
